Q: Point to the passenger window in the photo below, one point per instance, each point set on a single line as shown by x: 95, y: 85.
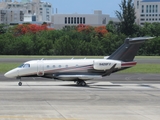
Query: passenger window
x: 60, y: 66
x: 47, y: 66
x: 66, y: 66
x: 54, y: 66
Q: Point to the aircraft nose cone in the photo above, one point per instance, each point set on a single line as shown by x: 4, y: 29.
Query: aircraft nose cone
x: 8, y: 75
x: 11, y: 74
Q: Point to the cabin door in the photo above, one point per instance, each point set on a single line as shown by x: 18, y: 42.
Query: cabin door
x: 40, y: 68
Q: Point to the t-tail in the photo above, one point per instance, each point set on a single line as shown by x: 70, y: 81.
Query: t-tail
x: 127, y: 51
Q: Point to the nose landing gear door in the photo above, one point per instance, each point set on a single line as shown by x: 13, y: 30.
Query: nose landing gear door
x: 40, y: 68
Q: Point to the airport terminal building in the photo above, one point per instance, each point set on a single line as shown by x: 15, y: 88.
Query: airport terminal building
x: 95, y: 19
x: 147, y: 11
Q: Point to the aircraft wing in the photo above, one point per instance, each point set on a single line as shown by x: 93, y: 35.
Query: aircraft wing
x: 74, y: 77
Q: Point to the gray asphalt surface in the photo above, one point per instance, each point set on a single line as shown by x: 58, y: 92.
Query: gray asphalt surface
x: 116, y: 97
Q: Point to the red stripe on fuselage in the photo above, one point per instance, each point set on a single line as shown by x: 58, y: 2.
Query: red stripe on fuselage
x: 128, y: 64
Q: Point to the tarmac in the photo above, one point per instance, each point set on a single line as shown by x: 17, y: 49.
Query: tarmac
x: 116, y: 97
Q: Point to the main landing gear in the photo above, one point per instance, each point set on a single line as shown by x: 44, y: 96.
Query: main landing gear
x: 81, y: 83
x: 20, y: 83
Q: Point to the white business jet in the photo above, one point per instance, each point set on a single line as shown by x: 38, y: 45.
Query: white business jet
x: 80, y: 70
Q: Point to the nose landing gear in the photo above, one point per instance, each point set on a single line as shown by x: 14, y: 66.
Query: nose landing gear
x: 20, y: 83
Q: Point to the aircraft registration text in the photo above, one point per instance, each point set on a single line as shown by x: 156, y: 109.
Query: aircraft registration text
x: 104, y: 64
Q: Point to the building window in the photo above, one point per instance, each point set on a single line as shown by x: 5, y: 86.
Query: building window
x: 69, y: 20
x: 152, y: 14
x: 80, y: 20
x: 150, y: 8
x: 65, y: 20
x: 147, y: 15
x: 156, y: 8
x: 147, y: 9
x: 142, y: 19
x: 142, y: 15
x: 153, y: 19
x: 146, y: 19
x: 137, y: 4
x: 142, y: 8
x: 75, y: 20
x: 84, y: 20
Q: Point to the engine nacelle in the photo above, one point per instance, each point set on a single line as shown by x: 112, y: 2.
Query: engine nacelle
x: 105, y: 64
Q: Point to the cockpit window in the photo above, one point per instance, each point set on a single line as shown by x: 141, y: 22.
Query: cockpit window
x: 24, y: 66
x: 21, y: 66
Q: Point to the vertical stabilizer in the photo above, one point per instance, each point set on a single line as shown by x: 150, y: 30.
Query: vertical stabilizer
x: 128, y: 50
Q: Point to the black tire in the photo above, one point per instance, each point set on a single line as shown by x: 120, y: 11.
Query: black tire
x: 83, y: 83
x: 20, y: 83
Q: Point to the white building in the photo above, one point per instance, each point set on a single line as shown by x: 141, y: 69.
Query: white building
x: 25, y: 11
x: 96, y: 19
x: 43, y: 11
x: 147, y: 11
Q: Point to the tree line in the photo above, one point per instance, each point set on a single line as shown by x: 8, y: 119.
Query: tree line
x: 80, y: 40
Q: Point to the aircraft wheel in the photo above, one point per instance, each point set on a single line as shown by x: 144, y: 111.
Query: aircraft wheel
x: 78, y: 83
x: 83, y: 83
x: 20, y: 83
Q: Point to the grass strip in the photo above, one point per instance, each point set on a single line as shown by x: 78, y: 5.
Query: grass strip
x: 143, y: 68
x: 4, y: 67
x: 69, y: 57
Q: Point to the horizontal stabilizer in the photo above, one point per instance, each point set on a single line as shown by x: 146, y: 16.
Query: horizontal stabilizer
x: 137, y: 40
